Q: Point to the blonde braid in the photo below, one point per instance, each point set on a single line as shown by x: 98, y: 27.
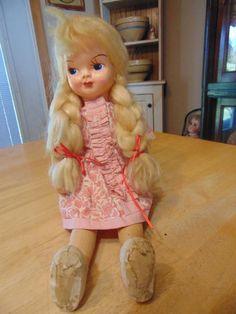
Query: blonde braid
x: 64, y: 128
x: 143, y: 172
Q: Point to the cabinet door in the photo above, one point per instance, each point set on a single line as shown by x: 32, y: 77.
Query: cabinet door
x: 150, y: 97
x: 146, y: 101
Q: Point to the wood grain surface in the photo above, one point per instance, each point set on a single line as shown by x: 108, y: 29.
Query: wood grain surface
x: 194, y: 236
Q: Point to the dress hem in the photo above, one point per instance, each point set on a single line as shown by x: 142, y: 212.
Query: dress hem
x: 111, y: 223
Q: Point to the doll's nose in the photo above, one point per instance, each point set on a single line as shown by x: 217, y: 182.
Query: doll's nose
x: 85, y: 74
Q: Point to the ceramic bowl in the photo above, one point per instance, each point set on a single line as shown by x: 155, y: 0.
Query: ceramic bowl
x: 132, y: 28
x: 138, y: 70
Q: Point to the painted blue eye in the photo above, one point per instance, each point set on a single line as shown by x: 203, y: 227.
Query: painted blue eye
x: 72, y: 71
x: 98, y: 66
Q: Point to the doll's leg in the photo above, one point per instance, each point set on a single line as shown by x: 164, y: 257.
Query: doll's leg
x: 69, y: 269
x: 130, y: 232
x: 137, y: 260
x: 85, y: 240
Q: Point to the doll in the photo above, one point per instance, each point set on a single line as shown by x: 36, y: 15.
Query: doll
x: 97, y: 141
x: 193, y: 127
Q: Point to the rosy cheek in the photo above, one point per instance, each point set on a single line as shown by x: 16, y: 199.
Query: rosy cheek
x: 75, y: 85
x: 105, y: 80
x: 101, y: 80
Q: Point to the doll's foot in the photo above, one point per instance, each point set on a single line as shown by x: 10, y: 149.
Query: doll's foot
x: 68, y: 276
x: 137, y: 259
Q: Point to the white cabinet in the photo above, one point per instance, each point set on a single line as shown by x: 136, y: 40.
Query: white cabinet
x: 150, y: 96
x: 148, y: 93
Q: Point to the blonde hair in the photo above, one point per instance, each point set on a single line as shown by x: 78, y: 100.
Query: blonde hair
x: 72, y: 34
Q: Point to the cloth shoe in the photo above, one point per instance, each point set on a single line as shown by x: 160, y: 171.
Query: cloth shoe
x: 68, y: 275
x: 137, y: 262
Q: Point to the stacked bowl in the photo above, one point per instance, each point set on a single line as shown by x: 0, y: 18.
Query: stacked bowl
x: 138, y: 70
x: 132, y: 28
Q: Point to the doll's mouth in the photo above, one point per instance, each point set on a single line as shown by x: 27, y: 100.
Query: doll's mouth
x: 88, y: 84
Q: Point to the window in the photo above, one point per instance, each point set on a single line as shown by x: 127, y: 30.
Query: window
x: 23, y: 87
x: 9, y: 127
x: 228, y: 118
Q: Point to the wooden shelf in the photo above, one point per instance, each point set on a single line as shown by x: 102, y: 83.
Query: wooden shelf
x: 112, y: 10
x: 145, y: 42
x: 150, y: 91
x: 126, y: 3
x: 147, y: 83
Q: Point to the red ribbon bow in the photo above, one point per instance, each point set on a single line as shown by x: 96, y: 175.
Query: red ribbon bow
x: 136, y: 149
x: 63, y: 150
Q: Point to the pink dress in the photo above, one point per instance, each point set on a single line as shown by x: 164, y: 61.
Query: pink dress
x: 101, y: 201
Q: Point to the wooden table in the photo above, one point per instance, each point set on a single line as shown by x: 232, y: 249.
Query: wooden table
x: 194, y: 236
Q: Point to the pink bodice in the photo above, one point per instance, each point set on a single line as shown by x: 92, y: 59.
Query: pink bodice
x: 98, y: 132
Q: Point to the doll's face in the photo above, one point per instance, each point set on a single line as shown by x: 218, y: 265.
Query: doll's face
x: 90, y: 73
x: 194, y: 125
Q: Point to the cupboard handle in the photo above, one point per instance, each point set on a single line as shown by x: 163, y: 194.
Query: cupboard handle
x: 149, y: 105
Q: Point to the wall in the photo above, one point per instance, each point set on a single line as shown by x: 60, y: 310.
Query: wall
x: 184, y: 23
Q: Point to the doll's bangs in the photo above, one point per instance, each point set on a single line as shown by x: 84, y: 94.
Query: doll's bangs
x: 82, y: 33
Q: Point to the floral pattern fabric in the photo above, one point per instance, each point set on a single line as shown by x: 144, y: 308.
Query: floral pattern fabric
x: 101, y: 200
